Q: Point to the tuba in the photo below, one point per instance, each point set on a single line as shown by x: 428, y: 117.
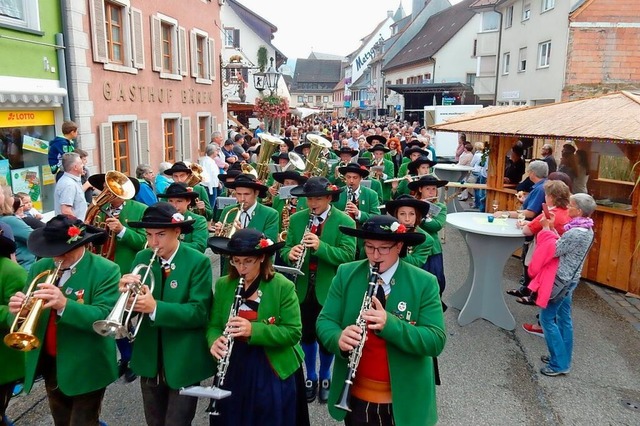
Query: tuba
x: 268, y: 144
x: 228, y: 229
x: 316, y: 165
x: 195, y: 178
x: 116, y: 185
x: 116, y: 325
x: 24, y: 338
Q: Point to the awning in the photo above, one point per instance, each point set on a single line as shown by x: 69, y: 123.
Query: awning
x: 240, y: 107
x: 429, y: 88
x: 28, y: 91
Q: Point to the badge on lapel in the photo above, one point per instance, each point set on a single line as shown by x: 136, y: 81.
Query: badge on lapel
x: 402, y: 306
x: 80, y: 296
x: 270, y: 320
x: 173, y: 284
x: 68, y: 291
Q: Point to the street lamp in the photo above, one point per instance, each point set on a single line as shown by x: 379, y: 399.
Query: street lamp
x: 271, y: 78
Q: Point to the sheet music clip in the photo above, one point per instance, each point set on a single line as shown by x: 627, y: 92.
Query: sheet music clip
x: 210, y: 392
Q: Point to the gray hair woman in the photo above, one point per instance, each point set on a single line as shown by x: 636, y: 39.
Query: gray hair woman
x: 571, y: 250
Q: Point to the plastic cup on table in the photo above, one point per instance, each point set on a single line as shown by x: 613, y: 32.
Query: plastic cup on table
x: 490, y: 218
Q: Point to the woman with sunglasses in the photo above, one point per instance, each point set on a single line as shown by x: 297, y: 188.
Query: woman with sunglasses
x: 264, y: 372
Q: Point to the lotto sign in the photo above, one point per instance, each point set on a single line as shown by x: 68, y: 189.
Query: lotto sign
x: 26, y: 118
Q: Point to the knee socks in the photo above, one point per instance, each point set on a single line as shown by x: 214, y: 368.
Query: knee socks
x: 325, y: 365
x: 310, y: 350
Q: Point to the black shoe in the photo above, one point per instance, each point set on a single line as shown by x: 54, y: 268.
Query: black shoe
x: 129, y: 375
x: 324, y: 391
x: 545, y: 359
x: 311, y: 390
x: 123, y: 366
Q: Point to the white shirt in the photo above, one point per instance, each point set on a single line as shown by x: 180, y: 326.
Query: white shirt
x: 387, y: 277
x: 211, y: 170
x: 152, y: 315
x: 249, y: 214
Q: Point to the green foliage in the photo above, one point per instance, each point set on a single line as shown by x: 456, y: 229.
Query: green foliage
x: 616, y: 168
x: 262, y: 58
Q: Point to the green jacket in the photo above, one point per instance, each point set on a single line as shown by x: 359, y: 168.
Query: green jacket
x: 414, y: 334
x: 389, y: 171
x: 86, y: 361
x: 335, y: 248
x: 280, y: 335
x: 196, y: 239
x: 418, y: 255
x: 12, y: 279
x: 433, y: 225
x: 203, y: 195
x: 183, y: 306
x: 133, y: 240
x: 367, y: 203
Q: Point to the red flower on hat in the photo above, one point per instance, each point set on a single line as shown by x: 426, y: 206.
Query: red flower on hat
x: 363, y: 167
x: 264, y: 243
x: 177, y: 218
x: 74, y: 233
x: 332, y: 188
x: 189, y: 189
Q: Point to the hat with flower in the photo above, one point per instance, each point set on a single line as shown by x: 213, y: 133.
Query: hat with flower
x: 179, y: 190
x: 163, y: 215
x: 62, y: 234
x: 244, y: 242
x: 246, y: 180
x: 363, y: 171
x: 317, y: 186
x: 384, y: 228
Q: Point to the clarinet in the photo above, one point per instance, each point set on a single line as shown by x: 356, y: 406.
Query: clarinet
x: 300, y: 261
x: 223, y: 364
x: 356, y: 353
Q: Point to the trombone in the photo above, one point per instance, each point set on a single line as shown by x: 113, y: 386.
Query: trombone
x: 116, y: 324
x: 24, y: 338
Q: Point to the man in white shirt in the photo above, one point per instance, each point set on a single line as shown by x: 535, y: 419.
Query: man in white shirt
x: 69, y: 196
x: 211, y: 170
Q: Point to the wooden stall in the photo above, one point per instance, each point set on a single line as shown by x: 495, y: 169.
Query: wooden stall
x: 607, y: 129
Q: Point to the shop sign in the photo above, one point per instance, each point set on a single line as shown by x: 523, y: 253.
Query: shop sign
x: 28, y: 180
x: 26, y: 118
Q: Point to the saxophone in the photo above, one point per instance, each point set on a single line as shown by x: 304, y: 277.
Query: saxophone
x: 282, y: 236
x: 356, y: 353
x: 228, y: 229
x: 223, y: 364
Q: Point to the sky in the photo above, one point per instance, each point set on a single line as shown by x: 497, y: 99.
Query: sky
x: 329, y: 26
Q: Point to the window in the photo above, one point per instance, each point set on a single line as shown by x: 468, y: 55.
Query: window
x: 506, y: 59
x: 116, y: 35
x: 231, y: 37
x: 544, y: 54
x: 310, y: 99
x: 427, y: 78
x: 508, y: 17
x: 487, y: 66
x: 169, y: 52
x: 526, y: 11
x: 300, y: 99
x: 522, y: 59
x: 548, y: 4
x: 170, y: 140
x: 325, y: 99
x: 490, y: 21
x: 203, y: 56
x: 203, y: 133
x: 475, y: 48
x: 22, y: 14
x: 471, y: 79
x: 121, y: 147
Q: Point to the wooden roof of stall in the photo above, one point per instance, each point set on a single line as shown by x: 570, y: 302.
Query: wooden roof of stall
x: 613, y: 117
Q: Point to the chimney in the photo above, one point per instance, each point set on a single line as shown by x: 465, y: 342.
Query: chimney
x: 389, y: 13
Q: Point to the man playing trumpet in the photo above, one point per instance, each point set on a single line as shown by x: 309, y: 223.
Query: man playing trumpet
x: 77, y: 364
x: 170, y: 350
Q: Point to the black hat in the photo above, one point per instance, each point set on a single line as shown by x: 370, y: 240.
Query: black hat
x: 7, y: 242
x: 364, y: 161
x: 379, y: 147
x: 163, y: 215
x: 233, y: 171
x: 179, y: 190
x: 423, y: 159
x: 428, y: 180
x: 354, y: 168
x: 384, y: 228
x: 317, y: 186
x: 381, y: 139
x: 346, y: 150
x: 178, y: 167
x: 97, y: 181
x: 288, y: 142
x: 299, y: 148
x: 279, y: 156
x: 407, y: 201
x: 245, y: 180
x: 62, y: 234
x: 415, y: 143
x: 289, y: 174
x: 413, y: 150
x: 245, y: 242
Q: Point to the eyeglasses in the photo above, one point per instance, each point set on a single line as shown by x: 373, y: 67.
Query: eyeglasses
x: 245, y: 263
x: 381, y: 250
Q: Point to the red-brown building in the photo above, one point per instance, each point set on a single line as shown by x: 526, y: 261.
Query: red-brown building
x: 144, y: 78
x: 604, y: 36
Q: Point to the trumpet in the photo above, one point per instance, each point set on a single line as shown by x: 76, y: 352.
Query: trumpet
x: 411, y: 178
x: 228, y: 229
x: 116, y: 324
x: 356, y: 354
x: 24, y: 338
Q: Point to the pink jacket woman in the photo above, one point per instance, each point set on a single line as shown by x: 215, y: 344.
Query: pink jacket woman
x: 543, y: 266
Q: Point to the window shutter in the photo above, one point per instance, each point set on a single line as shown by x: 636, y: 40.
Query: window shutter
x: 212, y: 59
x: 186, y: 138
x: 98, y: 32
x: 236, y: 38
x: 156, y: 43
x: 137, y: 32
x: 193, y: 38
x: 143, y: 142
x: 182, y: 51
x: 106, y: 147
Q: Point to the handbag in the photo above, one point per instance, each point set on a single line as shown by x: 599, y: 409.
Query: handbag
x: 560, y: 289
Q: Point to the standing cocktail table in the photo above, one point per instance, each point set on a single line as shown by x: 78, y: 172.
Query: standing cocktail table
x: 452, y: 173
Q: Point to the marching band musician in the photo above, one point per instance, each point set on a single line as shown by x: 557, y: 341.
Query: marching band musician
x: 412, y: 153
x: 358, y: 201
x: 181, y: 173
x: 418, y: 167
x: 264, y: 372
x: 128, y: 243
x: 170, y: 350
x: 181, y: 196
x: 77, y: 363
x: 376, y: 186
x: 427, y: 190
x: 12, y: 280
x: 346, y: 154
x: 288, y: 178
x: 410, y: 212
x: 314, y: 233
x: 394, y: 382
x: 378, y: 151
